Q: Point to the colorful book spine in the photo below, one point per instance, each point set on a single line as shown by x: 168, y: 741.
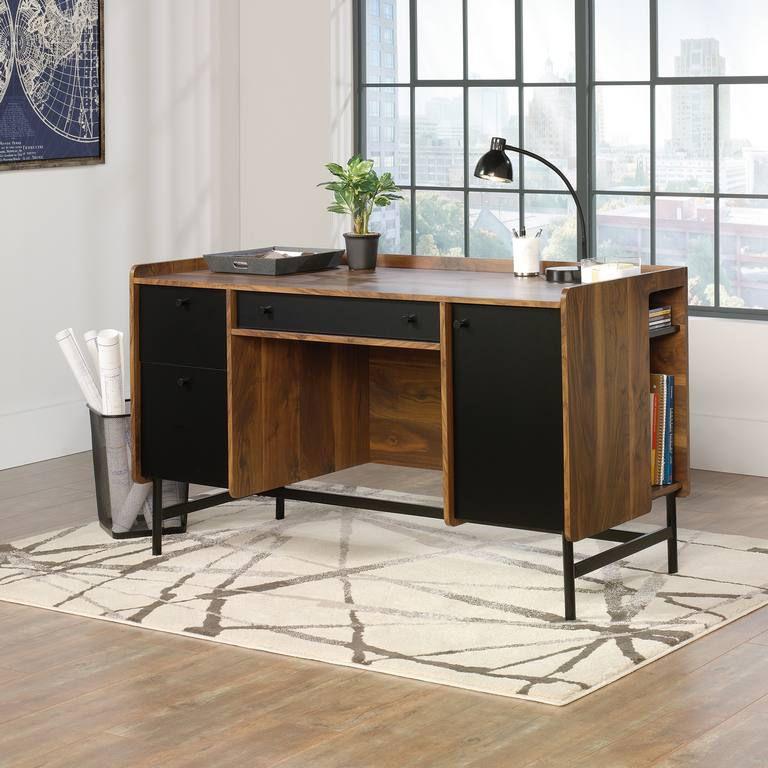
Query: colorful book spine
x: 660, y: 317
x: 669, y: 446
x: 662, y: 431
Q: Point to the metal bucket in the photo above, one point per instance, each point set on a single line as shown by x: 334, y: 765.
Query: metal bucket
x: 125, y: 507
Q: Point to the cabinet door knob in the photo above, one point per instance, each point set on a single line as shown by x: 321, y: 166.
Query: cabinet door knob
x: 410, y: 319
x: 461, y: 324
x: 266, y: 310
x: 182, y: 381
x: 182, y: 303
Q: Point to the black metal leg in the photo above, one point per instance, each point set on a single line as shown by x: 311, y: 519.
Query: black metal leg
x: 157, y: 517
x: 569, y: 580
x: 279, y: 508
x: 672, y: 540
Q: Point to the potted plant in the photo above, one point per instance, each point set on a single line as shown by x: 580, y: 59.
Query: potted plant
x: 357, y: 190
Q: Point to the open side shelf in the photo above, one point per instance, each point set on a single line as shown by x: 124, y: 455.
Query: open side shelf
x: 654, y: 332
x: 658, y: 491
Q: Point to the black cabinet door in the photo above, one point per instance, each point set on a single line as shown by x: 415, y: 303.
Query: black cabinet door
x: 184, y: 424
x: 508, y: 416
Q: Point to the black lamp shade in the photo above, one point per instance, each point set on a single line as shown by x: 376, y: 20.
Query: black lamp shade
x: 495, y: 164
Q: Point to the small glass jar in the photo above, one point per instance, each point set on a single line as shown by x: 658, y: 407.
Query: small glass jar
x: 613, y: 268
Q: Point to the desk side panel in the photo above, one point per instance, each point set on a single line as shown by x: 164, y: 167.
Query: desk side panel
x: 606, y: 410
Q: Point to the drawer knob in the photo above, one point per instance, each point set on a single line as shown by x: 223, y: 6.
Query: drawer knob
x: 182, y: 381
x: 410, y: 319
x: 266, y: 310
x: 461, y: 324
x: 181, y: 303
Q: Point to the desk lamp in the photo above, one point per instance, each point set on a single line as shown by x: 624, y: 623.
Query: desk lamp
x: 494, y: 165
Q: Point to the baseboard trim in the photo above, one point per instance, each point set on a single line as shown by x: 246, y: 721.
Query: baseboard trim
x: 726, y: 444
x: 44, y: 433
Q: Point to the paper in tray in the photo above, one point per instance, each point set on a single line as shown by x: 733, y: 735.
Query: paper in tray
x: 274, y: 260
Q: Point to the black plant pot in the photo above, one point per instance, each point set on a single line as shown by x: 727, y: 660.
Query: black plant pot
x: 362, y: 250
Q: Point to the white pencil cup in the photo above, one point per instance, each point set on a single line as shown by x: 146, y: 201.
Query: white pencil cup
x: 526, y: 252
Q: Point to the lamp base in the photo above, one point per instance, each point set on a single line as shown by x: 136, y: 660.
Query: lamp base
x: 563, y: 274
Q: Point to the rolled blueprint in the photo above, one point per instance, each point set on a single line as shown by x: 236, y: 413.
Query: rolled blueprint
x: 79, y: 363
x: 124, y: 518
x: 111, y: 372
x: 93, y: 354
x: 116, y: 435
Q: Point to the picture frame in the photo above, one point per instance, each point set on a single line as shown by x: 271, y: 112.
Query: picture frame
x: 51, y: 108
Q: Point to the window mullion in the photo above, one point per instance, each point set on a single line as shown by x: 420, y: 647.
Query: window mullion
x: 412, y: 92
x: 583, y: 122
x: 716, y: 179
x: 652, y: 175
x: 465, y: 97
x: 520, y: 75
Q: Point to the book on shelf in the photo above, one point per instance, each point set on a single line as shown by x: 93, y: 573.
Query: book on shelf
x: 660, y: 317
x: 662, y: 428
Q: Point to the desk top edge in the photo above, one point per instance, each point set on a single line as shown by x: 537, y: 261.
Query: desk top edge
x: 400, y: 279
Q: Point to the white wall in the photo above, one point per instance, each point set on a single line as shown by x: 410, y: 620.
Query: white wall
x: 168, y: 190
x: 297, y: 114
x: 729, y: 395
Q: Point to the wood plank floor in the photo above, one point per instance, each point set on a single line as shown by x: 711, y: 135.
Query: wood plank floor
x: 79, y: 692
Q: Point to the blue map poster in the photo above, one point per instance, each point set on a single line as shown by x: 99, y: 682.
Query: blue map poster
x: 51, y: 82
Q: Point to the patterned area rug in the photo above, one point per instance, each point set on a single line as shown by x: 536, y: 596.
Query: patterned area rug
x: 473, y: 607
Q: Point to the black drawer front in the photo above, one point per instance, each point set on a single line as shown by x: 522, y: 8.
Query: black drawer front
x: 184, y: 424
x: 373, y: 318
x: 183, y: 326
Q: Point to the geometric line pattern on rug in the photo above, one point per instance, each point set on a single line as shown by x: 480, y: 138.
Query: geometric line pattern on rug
x: 474, y: 607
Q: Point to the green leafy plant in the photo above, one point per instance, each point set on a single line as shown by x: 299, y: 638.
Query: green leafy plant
x: 358, y: 189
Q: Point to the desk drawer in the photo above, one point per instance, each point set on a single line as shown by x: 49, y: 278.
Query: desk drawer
x: 372, y: 318
x: 183, y: 326
x: 184, y: 424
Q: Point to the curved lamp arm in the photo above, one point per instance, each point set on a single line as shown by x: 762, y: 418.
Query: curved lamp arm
x: 501, y: 168
x: 551, y: 166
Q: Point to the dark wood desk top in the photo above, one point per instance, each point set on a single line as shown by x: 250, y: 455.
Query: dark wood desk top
x: 384, y: 283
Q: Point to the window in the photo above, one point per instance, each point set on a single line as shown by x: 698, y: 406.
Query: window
x: 472, y: 79
x: 681, y: 142
x: 667, y: 144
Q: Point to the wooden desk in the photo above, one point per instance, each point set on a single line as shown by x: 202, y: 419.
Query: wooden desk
x: 532, y: 398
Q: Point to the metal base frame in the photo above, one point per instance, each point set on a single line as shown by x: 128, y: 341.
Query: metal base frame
x: 631, y: 542
x: 177, y: 510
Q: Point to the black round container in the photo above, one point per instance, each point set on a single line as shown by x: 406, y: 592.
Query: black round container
x: 362, y: 250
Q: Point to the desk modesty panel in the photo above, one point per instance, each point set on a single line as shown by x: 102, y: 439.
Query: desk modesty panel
x: 532, y: 398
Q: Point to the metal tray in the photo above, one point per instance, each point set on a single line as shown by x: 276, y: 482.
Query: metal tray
x: 275, y: 260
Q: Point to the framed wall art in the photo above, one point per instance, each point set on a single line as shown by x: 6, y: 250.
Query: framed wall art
x: 51, y: 83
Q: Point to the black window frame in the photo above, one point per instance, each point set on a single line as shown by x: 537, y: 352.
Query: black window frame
x: 584, y: 86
